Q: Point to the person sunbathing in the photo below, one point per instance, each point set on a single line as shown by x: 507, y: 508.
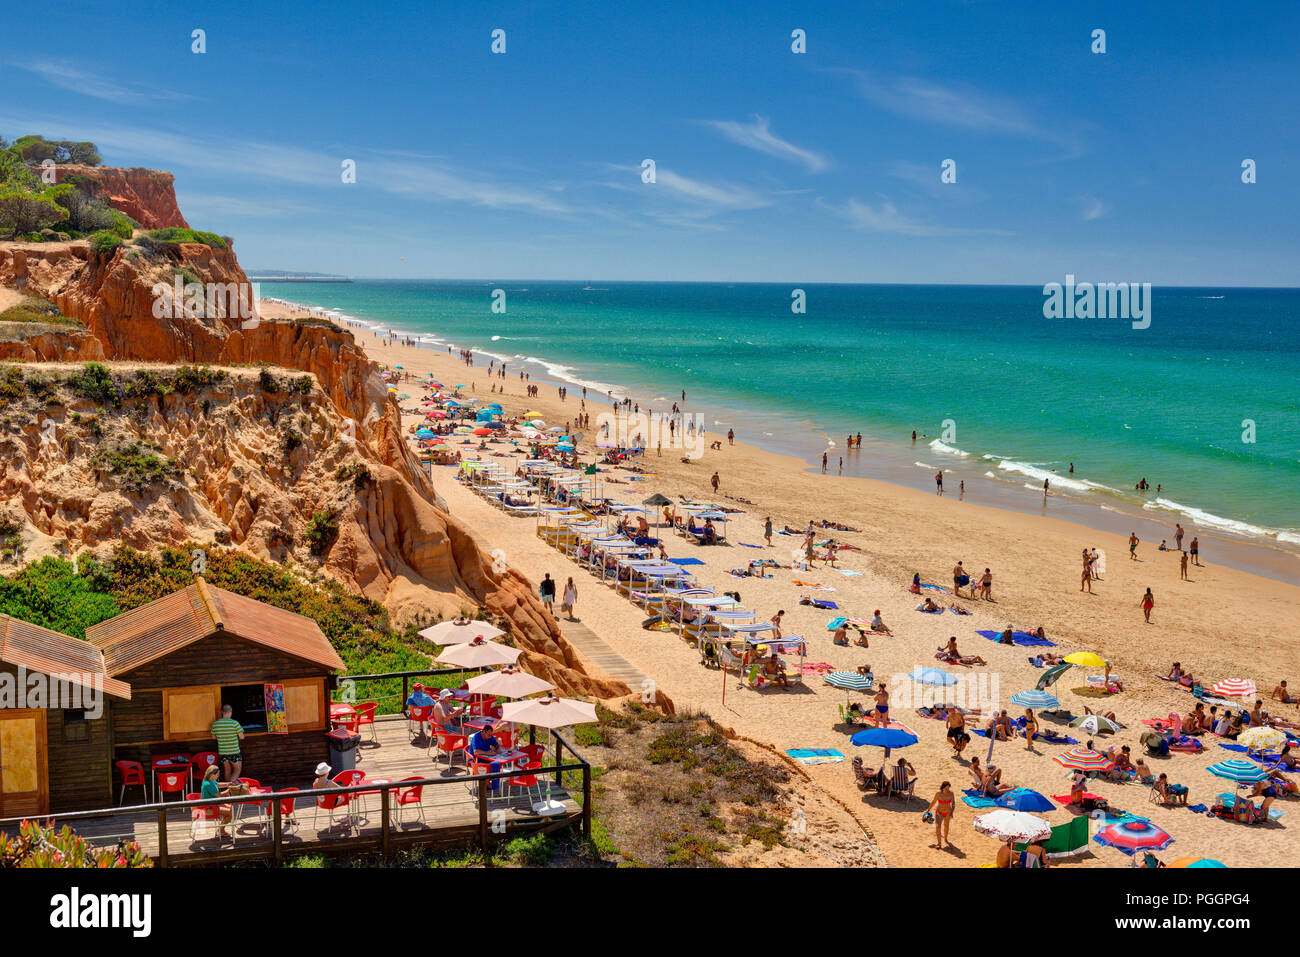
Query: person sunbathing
x: 1143, y: 772
x: 878, y: 624
x: 1285, y: 760
x: 1108, y: 715
x: 929, y: 607
x: 773, y: 669
x: 1281, y: 694
x: 957, y: 609
x: 841, y: 636
x: 837, y: 526
x: 1175, y: 794
x: 993, y: 786
x: 1007, y: 637
x: 1048, y: 660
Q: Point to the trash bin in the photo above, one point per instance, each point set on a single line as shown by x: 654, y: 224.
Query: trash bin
x: 343, y: 750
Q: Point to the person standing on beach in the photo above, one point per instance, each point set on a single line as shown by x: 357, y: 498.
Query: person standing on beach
x: 942, y: 805
x: 823, y: 463
x: 958, y: 573
x: 570, y: 598
x: 1132, y: 546
x: 938, y: 480
x: 767, y: 530
x: 1195, y: 549
x: 986, y: 585
x: 857, y: 442
x: 715, y: 481
x: 882, y: 708
x: 1178, y: 536
x: 1086, y: 580
x: 547, y: 590
x: 731, y: 436
x: 1094, y: 563
x: 1148, y: 602
x: 1182, y: 565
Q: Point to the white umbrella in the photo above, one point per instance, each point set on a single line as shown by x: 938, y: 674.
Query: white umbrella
x: 549, y: 712
x: 1006, y: 824
x: 461, y: 631
x: 479, y: 653
x: 508, y: 683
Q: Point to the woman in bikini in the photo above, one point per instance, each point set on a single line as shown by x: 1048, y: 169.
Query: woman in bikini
x: 942, y: 805
x: 1148, y: 602
x: 1031, y: 729
x: 882, y: 708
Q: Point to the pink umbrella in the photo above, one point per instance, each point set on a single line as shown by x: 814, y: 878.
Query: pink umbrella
x: 1234, y: 688
x: 479, y: 653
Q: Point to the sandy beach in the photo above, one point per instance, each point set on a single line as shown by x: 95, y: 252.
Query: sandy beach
x: 1222, y: 623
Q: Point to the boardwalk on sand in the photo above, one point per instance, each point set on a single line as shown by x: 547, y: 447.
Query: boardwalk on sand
x: 451, y: 813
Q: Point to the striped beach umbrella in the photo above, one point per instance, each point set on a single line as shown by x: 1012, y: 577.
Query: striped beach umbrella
x: 1234, y: 688
x: 1050, y: 676
x: 1094, y: 724
x: 1196, y: 862
x: 1129, y: 837
x: 849, y: 680
x: 933, y: 676
x: 1243, y: 772
x: 1035, y: 699
x: 1083, y: 759
x: 1260, y: 738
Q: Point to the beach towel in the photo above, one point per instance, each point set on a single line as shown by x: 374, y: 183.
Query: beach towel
x: 816, y: 668
x: 1064, y: 799
x: 935, y: 587
x: 1017, y: 637
x: 922, y: 610
x: 815, y: 755
x: 813, y: 586
x: 822, y: 603
x: 848, y: 572
x: 1198, y: 808
x: 979, y: 803
x: 747, y: 545
x: 686, y: 561
x: 1054, y: 738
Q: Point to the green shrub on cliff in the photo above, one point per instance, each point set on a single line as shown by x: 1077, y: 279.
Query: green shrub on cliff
x: 174, y: 234
x: 104, y: 243
x: 135, y: 466
x: 95, y: 382
x: 24, y: 212
x: 35, y: 309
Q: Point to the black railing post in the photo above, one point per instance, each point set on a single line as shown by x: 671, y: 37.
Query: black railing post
x: 386, y: 838
x: 586, y: 800
x: 483, y: 815
x: 162, y: 837
x: 277, y: 850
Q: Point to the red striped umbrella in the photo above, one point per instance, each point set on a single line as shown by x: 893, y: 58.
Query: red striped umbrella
x: 1234, y: 688
x: 1084, y: 759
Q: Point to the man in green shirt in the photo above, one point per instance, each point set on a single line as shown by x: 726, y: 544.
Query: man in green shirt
x: 229, y: 733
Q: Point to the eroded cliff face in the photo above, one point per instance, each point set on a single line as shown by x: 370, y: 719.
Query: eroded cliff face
x: 394, y: 543
x: 146, y: 195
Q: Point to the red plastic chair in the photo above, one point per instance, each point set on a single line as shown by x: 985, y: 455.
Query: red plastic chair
x: 288, y: 817
x: 450, y: 745
x: 483, y: 767
x: 505, y: 738
x: 331, y: 802
x: 172, y: 782
x: 366, y: 716
x: 200, y: 814
x: 527, y: 780
x: 410, y: 797
x: 479, y: 704
x: 203, y: 760
x: 175, y: 762
x: 132, y: 777
x: 349, y: 779
x: 417, y: 715
x: 535, y: 753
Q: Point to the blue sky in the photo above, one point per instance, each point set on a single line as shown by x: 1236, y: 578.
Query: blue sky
x: 771, y: 165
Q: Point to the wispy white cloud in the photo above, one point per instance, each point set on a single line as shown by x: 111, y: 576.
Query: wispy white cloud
x: 713, y: 197
x: 1093, y: 208
x: 758, y: 136
x: 97, y: 85
x: 885, y: 217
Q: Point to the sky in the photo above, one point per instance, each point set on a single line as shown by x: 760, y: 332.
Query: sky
x: 769, y: 164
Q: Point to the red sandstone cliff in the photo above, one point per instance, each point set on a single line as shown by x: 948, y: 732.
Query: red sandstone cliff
x: 146, y: 195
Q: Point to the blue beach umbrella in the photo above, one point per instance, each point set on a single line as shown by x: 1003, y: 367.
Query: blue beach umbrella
x: 933, y: 676
x: 886, y: 738
x: 424, y: 433
x: 1243, y: 772
x: 1025, y: 799
x: 1035, y: 699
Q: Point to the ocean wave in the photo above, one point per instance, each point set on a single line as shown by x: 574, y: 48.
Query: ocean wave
x: 1210, y: 520
x: 1024, y: 468
x: 941, y: 447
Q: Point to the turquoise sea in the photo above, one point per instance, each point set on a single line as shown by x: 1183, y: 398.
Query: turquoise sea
x: 1016, y: 397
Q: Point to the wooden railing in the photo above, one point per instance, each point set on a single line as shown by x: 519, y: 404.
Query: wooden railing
x: 385, y: 842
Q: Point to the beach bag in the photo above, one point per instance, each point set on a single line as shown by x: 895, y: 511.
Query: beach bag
x: 963, y: 580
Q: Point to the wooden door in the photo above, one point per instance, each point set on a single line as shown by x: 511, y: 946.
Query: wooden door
x: 24, y: 785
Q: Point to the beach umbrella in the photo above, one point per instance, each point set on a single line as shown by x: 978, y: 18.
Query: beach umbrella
x: 460, y: 631
x: 1243, y: 772
x: 1094, y: 724
x: 481, y: 431
x: 425, y: 433
x: 1084, y: 759
x: 1049, y: 676
x: 564, y: 447
x: 657, y: 499
x: 1025, y: 799
x: 1035, y: 699
x: 1006, y: 825
x: 849, y: 680
x: 1260, y: 738
x: 548, y: 712
x: 933, y: 676
x: 1234, y: 688
x: 537, y: 424
x: 887, y: 738
x: 533, y: 414
x: 1196, y: 862
x: 479, y: 653
x: 508, y: 683
x: 1129, y: 837
x: 1086, y: 659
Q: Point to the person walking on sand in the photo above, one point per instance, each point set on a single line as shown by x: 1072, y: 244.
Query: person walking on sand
x: 823, y: 463
x: 986, y: 585
x: 1148, y: 602
x: 731, y: 436
x: 941, y: 806
x: 1132, y: 546
x: 1031, y: 729
x: 767, y: 530
x: 570, y: 599
x: 882, y: 708
x: 1195, y: 549
x: 1182, y: 565
x: 715, y: 481
x: 547, y: 591
x: 938, y: 483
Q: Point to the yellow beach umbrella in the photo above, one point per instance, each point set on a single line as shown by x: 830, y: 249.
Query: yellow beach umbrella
x: 1261, y: 738
x: 1086, y: 659
x: 529, y: 415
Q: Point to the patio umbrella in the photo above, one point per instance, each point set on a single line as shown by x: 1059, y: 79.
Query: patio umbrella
x: 508, y: 683
x: 933, y: 676
x: 1035, y: 699
x: 533, y: 414
x: 1196, y: 862
x: 425, y: 434
x: 479, y: 653
x: 1006, y: 824
x: 887, y: 738
x: 658, y: 500
x: 1086, y: 659
x: 564, y: 447
x: 849, y: 680
x: 481, y: 431
x: 1084, y: 759
x: 1260, y: 738
x: 1049, y: 676
x: 1128, y: 837
x: 1095, y: 724
x: 1243, y: 772
x: 549, y: 712
x: 1025, y: 799
x: 460, y: 632
x: 1234, y: 688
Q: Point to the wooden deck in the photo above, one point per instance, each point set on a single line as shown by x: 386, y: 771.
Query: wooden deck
x: 449, y: 813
